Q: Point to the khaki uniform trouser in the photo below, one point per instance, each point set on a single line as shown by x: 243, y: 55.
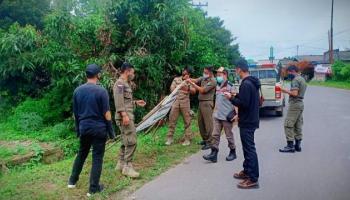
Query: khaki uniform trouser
x: 218, y: 126
x: 294, y: 122
x: 205, y: 119
x: 174, y: 114
x: 129, y: 141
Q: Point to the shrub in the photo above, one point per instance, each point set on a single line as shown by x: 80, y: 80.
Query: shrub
x: 341, y: 71
x: 27, y: 122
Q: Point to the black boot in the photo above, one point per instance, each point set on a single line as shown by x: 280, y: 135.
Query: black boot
x: 206, y: 146
x: 201, y: 142
x: 232, y: 155
x: 297, y: 145
x: 289, y: 148
x: 213, y: 156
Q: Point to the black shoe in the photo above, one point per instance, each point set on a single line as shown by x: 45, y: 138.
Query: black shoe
x: 297, y: 145
x: 289, y: 148
x: 100, y: 189
x: 232, y: 155
x: 201, y: 143
x: 206, y: 146
x: 213, y: 156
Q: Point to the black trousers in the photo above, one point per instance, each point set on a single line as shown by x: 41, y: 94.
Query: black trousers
x: 250, y: 164
x: 98, y: 150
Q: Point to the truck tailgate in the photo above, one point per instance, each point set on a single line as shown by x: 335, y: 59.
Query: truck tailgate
x: 268, y: 91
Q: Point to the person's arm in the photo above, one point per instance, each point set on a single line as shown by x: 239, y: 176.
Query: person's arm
x: 107, y: 114
x: 242, y: 99
x: 76, y: 116
x: 294, y: 89
x: 118, y: 94
x: 173, y: 85
x: 203, y: 90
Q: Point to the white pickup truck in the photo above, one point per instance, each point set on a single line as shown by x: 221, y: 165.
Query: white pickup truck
x: 271, y: 84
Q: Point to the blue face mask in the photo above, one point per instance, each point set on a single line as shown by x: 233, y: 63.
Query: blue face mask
x: 219, y: 79
x: 291, y: 76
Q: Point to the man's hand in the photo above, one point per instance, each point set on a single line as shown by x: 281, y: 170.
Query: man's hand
x: 190, y: 81
x: 229, y: 95
x: 141, y: 103
x: 126, y: 120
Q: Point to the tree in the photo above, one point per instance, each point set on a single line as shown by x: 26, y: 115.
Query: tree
x: 23, y: 12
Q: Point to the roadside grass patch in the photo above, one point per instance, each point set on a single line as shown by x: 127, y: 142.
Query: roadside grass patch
x: 332, y: 84
x: 50, y: 181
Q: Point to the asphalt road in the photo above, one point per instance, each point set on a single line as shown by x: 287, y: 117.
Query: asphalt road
x: 320, y: 172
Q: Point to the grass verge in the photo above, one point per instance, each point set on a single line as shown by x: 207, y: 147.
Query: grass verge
x: 50, y: 181
x: 333, y: 84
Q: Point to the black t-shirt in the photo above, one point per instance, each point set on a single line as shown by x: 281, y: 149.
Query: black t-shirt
x: 90, y: 103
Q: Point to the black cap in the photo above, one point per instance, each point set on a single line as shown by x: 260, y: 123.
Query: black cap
x: 292, y: 68
x: 242, y: 64
x: 92, y: 69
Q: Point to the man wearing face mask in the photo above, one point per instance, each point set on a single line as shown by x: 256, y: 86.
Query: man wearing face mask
x: 247, y: 101
x: 222, y: 109
x: 181, y: 105
x: 93, y: 123
x: 206, y: 88
x: 124, y: 105
x: 294, y: 120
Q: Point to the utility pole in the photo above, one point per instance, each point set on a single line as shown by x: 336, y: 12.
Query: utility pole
x: 331, y: 58
x: 272, y: 57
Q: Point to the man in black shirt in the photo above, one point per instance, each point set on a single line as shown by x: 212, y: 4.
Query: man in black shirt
x: 247, y: 102
x: 93, y: 123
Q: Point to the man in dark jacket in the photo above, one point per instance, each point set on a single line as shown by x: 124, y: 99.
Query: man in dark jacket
x: 247, y: 102
x: 93, y: 125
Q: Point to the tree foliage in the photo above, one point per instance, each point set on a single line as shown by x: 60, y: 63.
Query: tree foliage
x: 23, y: 12
x: 46, y: 60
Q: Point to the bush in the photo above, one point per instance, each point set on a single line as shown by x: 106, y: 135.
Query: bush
x: 27, y: 122
x: 63, y: 130
x: 341, y: 71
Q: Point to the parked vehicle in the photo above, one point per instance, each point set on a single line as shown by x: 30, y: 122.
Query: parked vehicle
x: 271, y: 85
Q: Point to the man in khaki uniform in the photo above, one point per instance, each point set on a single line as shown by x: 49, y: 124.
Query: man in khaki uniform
x: 181, y: 104
x: 223, y: 107
x: 294, y: 120
x: 124, y: 105
x: 206, y: 104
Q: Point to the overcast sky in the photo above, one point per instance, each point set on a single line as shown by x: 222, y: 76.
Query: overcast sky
x: 283, y: 24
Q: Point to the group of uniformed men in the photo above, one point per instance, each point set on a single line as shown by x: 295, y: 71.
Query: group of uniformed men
x: 94, y: 126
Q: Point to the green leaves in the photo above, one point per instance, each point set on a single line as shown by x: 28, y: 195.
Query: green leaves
x: 159, y: 37
x: 341, y: 71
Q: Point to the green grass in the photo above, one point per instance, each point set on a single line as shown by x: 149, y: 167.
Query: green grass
x: 49, y: 181
x: 61, y: 135
x: 333, y: 84
x: 7, y: 153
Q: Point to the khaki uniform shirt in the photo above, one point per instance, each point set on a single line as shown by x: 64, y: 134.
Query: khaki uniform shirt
x: 123, y: 99
x: 183, y: 96
x: 298, y: 83
x: 209, y: 85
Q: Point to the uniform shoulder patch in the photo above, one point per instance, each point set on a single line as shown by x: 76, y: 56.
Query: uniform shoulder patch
x: 120, y: 86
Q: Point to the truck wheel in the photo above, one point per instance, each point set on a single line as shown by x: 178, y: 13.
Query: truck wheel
x: 279, y: 113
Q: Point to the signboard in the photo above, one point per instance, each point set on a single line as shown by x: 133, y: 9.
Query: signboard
x: 323, y: 69
x: 160, y: 111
